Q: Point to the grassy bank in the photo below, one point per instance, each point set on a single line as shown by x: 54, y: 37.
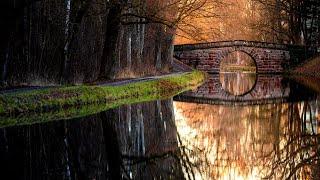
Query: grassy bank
x: 41, y: 105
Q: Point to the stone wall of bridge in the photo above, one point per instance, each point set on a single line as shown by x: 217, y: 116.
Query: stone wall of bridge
x: 268, y: 60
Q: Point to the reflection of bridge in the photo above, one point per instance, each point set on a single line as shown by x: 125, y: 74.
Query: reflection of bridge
x: 269, y: 57
x: 267, y: 89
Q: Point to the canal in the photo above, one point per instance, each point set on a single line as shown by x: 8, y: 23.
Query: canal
x: 235, y: 126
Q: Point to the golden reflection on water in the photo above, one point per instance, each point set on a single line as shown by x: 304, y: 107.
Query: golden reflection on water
x: 237, y: 83
x: 273, y: 141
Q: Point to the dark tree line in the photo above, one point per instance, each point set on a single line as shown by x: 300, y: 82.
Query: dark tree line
x: 75, y: 41
x: 289, y: 21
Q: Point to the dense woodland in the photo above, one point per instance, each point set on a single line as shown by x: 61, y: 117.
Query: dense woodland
x: 280, y: 21
x: 74, y: 41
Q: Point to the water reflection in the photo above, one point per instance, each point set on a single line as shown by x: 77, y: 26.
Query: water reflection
x: 130, y: 142
x: 273, y: 141
x: 244, y: 89
x: 167, y: 139
x: 238, y: 83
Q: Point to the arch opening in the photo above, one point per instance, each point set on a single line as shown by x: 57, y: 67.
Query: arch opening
x: 238, y: 61
x: 238, y: 73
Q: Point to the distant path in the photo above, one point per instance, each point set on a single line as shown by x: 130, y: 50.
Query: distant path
x: 115, y: 83
x: 142, y: 79
x: 178, y: 69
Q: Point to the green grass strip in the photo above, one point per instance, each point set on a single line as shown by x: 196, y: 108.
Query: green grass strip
x: 43, y: 105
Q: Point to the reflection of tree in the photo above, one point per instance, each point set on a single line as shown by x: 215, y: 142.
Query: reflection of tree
x: 130, y: 142
x: 143, y: 142
x: 270, y: 141
x: 237, y: 83
x: 181, y: 158
x: 299, y: 155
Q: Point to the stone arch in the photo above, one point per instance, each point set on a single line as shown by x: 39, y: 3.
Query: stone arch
x: 251, y: 53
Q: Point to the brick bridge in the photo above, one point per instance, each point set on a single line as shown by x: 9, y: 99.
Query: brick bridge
x: 268, y: 57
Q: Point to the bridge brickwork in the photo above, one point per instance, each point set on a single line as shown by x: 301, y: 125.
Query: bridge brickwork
x: 268, y: 57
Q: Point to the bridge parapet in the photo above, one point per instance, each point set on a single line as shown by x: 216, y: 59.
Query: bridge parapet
x: 219, y: 44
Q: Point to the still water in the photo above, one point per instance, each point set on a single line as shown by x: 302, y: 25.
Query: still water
x: 235, y: 126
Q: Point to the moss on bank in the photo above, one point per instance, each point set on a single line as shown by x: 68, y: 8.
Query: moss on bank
x: 43, y: 105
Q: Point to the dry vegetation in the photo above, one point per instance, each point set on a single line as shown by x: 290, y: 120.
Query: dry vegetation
x: 310, y: 68
x: 308, y: 74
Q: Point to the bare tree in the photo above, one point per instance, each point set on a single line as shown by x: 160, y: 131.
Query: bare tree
x: 289, y: 21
